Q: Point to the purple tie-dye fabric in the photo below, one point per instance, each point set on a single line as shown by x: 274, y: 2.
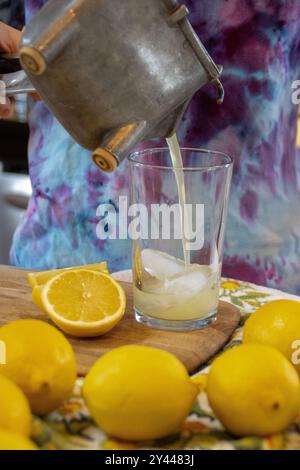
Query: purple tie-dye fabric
x: 258, y: 42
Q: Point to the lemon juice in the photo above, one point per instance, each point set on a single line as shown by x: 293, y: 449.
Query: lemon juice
x: 175, y: 292
x: 177, y: 163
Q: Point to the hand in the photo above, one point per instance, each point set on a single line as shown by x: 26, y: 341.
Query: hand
x: 9, y: 44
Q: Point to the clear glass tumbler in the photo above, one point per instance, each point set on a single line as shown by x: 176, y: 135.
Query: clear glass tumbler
x: 177, y: 216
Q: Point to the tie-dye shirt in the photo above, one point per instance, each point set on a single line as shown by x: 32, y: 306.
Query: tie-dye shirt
x: 258, y: 42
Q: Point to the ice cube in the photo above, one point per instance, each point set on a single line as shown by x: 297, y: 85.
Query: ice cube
x: 193, y: 280
x: 161, y: 265
x: 185, y: 284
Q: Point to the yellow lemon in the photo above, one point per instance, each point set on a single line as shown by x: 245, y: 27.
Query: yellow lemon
x: 15, y: 414
x: 42, y: 277
x: 40, y: 361
x: 277, y: 324
x: 254, y: 390
x: 137, y: 393
x: 12, y: 441
x: 82, y: 303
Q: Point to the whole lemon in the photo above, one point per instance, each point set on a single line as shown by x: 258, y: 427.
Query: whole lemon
x: 15, y: 412
x: 277, y: 324
x: 41, y: 361
x: 253, y: 390
x: 139, y: 393
x: 13, y: 441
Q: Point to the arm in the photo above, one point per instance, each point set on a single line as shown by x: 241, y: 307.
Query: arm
x: 9, y: 44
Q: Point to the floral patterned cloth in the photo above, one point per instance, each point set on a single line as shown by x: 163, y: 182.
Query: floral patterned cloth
x: 258, y: 42
x: 71, y: 427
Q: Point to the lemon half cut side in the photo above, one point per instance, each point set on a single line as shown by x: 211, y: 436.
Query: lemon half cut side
x: 83, y: 303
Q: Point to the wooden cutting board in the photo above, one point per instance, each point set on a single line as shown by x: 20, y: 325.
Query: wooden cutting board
x: 192, y: 348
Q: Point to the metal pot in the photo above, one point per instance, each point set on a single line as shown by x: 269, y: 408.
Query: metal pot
x: 115, y: 72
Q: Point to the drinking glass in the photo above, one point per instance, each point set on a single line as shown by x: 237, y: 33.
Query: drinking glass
x: 178, y: 213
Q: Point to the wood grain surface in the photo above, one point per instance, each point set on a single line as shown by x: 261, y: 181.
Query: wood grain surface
x: 192, y: 348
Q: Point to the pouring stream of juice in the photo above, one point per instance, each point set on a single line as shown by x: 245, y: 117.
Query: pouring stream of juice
x: 177, y: 163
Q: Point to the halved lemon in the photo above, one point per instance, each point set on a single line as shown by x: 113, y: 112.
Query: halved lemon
x: 42, y: 277
x: 81, y: 302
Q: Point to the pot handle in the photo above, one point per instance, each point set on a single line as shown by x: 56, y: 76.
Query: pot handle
x: 13, y: 76
x: 177, y: 14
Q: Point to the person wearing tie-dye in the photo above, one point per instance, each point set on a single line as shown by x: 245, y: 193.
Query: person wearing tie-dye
x: 258, y: 43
